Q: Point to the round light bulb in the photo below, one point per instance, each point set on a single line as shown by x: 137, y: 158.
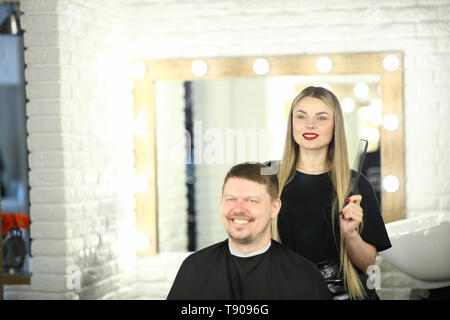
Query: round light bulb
x: 376, y: 119
x: 142, y: 241
x: 370, y: 134
x: 391, y: 183
x: 348, y: 105
x: 390, y: 122
x: 361, y: 90
x: 391, y: 62
x: 324, y: 65
x: 199, y: 68
x: 377, y: 105
x: 261, y: 66
x: 140, y: 184
x: 140, y: 126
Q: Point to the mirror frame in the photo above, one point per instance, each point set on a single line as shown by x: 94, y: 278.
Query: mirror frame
x: 391, y: 144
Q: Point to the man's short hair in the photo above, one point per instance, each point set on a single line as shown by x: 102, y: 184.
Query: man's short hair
x: 256, y: 172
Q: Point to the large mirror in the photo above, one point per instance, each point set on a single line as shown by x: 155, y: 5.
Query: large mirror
x: 202, y: 116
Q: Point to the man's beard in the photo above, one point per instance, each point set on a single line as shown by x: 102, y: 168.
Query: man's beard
x: 250, y: 237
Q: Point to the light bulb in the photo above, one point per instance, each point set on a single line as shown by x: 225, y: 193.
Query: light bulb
x: 261, y: 66
x: 140, y: 126
x: 142, y: 241
x: 199, y: 68
x: 324, y: 64
x: 348, y: 105
x: 377, y: 104
x: 391, y: 183
x: 391, y: 62
x: 390, y: 122
x: 361, y: 90
x: 140, y: 183
x: 370, y: 134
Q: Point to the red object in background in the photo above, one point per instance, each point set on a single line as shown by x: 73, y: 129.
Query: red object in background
x: 15, y: 221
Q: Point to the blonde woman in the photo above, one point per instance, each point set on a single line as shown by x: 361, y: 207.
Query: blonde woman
x: 314, y: 175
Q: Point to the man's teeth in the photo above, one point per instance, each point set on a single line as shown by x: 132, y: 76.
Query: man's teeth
x: 240, y: 221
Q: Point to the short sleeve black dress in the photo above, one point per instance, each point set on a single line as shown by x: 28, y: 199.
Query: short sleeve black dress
x: 305, y: 222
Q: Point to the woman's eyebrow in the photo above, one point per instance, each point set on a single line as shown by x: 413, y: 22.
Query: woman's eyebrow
x: 322, y: 112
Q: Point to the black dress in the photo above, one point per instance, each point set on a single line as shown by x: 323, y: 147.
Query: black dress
x: 305, y: 222
x: 213, y: 273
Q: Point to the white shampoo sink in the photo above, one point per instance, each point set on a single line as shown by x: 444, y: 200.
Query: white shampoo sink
x: 421, y: 249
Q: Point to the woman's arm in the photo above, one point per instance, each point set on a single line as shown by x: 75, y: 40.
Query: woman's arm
x: 361, y: 253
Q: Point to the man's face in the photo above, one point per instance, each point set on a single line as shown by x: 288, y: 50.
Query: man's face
x: 247, y: 211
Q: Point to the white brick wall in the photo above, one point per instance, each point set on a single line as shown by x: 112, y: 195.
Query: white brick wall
x: 81, y: 151
x: 76, y: 88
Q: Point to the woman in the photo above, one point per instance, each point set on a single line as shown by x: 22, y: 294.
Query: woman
x: 314, y: 177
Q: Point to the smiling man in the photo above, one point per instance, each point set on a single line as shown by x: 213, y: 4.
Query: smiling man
x: 249, y: 264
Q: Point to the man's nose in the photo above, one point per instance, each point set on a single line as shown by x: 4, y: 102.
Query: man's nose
x: 239, y: 205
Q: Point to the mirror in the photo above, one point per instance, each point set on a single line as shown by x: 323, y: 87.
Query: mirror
x: 225, y: 111
x: 14, y: 190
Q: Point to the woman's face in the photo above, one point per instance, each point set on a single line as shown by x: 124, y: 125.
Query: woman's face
x: 312, y: 124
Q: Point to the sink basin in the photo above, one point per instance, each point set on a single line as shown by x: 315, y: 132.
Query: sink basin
x: 421, y: 249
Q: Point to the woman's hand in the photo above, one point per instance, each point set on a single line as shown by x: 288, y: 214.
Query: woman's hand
x: 351, y: 216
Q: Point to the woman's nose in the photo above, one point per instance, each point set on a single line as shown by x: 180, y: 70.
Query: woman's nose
x: 310, y: 123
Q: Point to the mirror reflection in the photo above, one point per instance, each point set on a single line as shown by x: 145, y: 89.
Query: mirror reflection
x: 227, y: 121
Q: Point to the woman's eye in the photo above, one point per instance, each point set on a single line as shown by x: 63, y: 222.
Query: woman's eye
x: 322, y: 118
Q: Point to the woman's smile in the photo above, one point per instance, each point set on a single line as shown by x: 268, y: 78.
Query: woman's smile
x: 310, y: 135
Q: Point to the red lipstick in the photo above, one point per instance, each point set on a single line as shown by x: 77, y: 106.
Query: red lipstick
x: 310, y: 135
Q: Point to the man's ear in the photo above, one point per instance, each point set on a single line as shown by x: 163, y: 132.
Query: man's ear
x: 276, y: 206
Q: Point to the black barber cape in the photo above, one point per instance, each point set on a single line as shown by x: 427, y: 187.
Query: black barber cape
x: 214, y: 273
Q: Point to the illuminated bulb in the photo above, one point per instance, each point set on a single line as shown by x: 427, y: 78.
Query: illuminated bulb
x: 140, y: 126
x: 324, y: 64
x: 361, y: 90
x: 376, y: 119
x: 391, y: 183
x: 326, y: 86
x: 377, y: 105
x: 348, y: 105
x: 261, y: 66
x: 370, y: 114
x: 142, y: 241
x: 138, y: 70
x: 390, y: 122
x: 370, y: 134
x: 390, y: 62
x: 140, y: 184
x: 199, y: 68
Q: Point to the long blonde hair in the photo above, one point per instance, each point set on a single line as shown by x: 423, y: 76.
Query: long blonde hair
x: 338, y: 162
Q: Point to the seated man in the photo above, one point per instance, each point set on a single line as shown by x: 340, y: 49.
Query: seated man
x: 249, y: 264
